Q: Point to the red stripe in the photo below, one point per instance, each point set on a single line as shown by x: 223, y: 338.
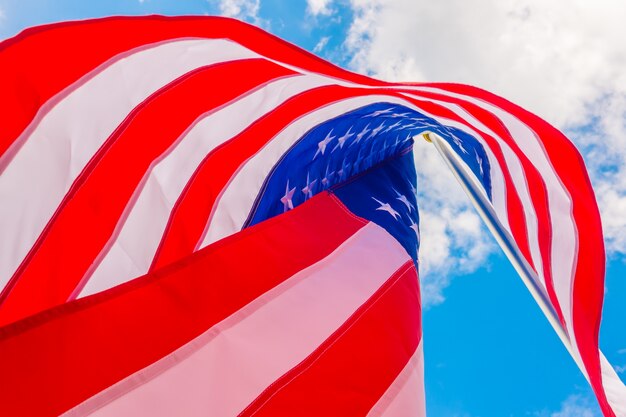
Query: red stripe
x: 96, y: 341
x: 86, y: 218
x: 192, y: 210
x: 353, y: 368
x: 513, y: 202
x: 34, y: 69
x: 536, y: 187
x: 588, y: 286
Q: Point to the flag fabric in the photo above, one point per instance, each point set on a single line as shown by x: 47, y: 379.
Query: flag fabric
x: 198, y: 216
x: 291, y: 316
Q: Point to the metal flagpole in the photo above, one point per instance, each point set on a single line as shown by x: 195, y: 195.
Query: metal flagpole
x: 504, y: 239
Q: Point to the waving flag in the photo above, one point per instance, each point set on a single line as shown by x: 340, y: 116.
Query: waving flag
x: 198, y: 217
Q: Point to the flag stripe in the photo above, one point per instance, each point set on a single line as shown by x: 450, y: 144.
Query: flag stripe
x: 92, y: 44
x: 84, y: 353
x: 539, y: 226
x: 63, y: 140
x: 237, y: 198
x: 64, y: 251
x: 400, y: 399
x: 133, y: 245
x: 365, y: 354
x: 517, y: 201
x: 587, y: 285
x: 614, y: 387
x: 193, y: 209
x: 499, y: 189
x: 538, y: 185
x: 232, y: 207
x: 124, y: 254
x: 219, y: 371
x: 563, y: 238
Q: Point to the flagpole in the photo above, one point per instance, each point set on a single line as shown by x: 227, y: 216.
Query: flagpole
x: 504, y: 239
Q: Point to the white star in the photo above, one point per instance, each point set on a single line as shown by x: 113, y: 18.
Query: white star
x: 393, y: 126
x: 427, y: 124
x: 409, y: 126
x: 287, y: 198
x: 404, y: 200
x: 413, y: 189
x: 399, y: 115
x: 480, y: 162
x: 408, y: 138
x: 342, y: 139
x: 379, y: 112
x: 459, y: 143
x: 308, y: 189
x: 327, y: 177
x: 360, y: 135
x: 343, y: 172
x: 416, y: 229
x: 376, y: 130
x: 386, y: 207
x: 321, y: 146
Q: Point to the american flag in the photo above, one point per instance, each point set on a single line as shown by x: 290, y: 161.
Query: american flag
x: 199, y: 218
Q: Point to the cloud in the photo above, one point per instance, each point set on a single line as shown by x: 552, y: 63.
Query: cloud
x: 563, y: 60
x: 241, y: 9
x: 453, y: 237
x: 574, y: 406
x: 319, y: 7
x: 555, y: 58
x: 321, y: 44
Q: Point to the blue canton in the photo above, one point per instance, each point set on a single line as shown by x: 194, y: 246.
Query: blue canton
x: 350, y: 145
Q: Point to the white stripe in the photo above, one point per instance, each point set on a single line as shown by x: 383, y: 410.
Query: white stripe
x: 564, y: 233
x: 233, y: 206
x: 62, y: 142
x: 613, y: 387
x: 405, y: 396
x: 498, y: 188
x: 131, y: 249
x: 237, y: 199
x: 518, y: 177
x: 227, y: 367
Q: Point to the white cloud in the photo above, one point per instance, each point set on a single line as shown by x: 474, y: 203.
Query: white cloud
x: 241, y: 9
x: 319, y: 7
x: 562, y: 59
x: 321, y: 44
x: 574, y: 406
x: 554, y: 58
x: 453, y: 238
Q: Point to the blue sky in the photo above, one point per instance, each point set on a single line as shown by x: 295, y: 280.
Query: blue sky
x: 489, y: 351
